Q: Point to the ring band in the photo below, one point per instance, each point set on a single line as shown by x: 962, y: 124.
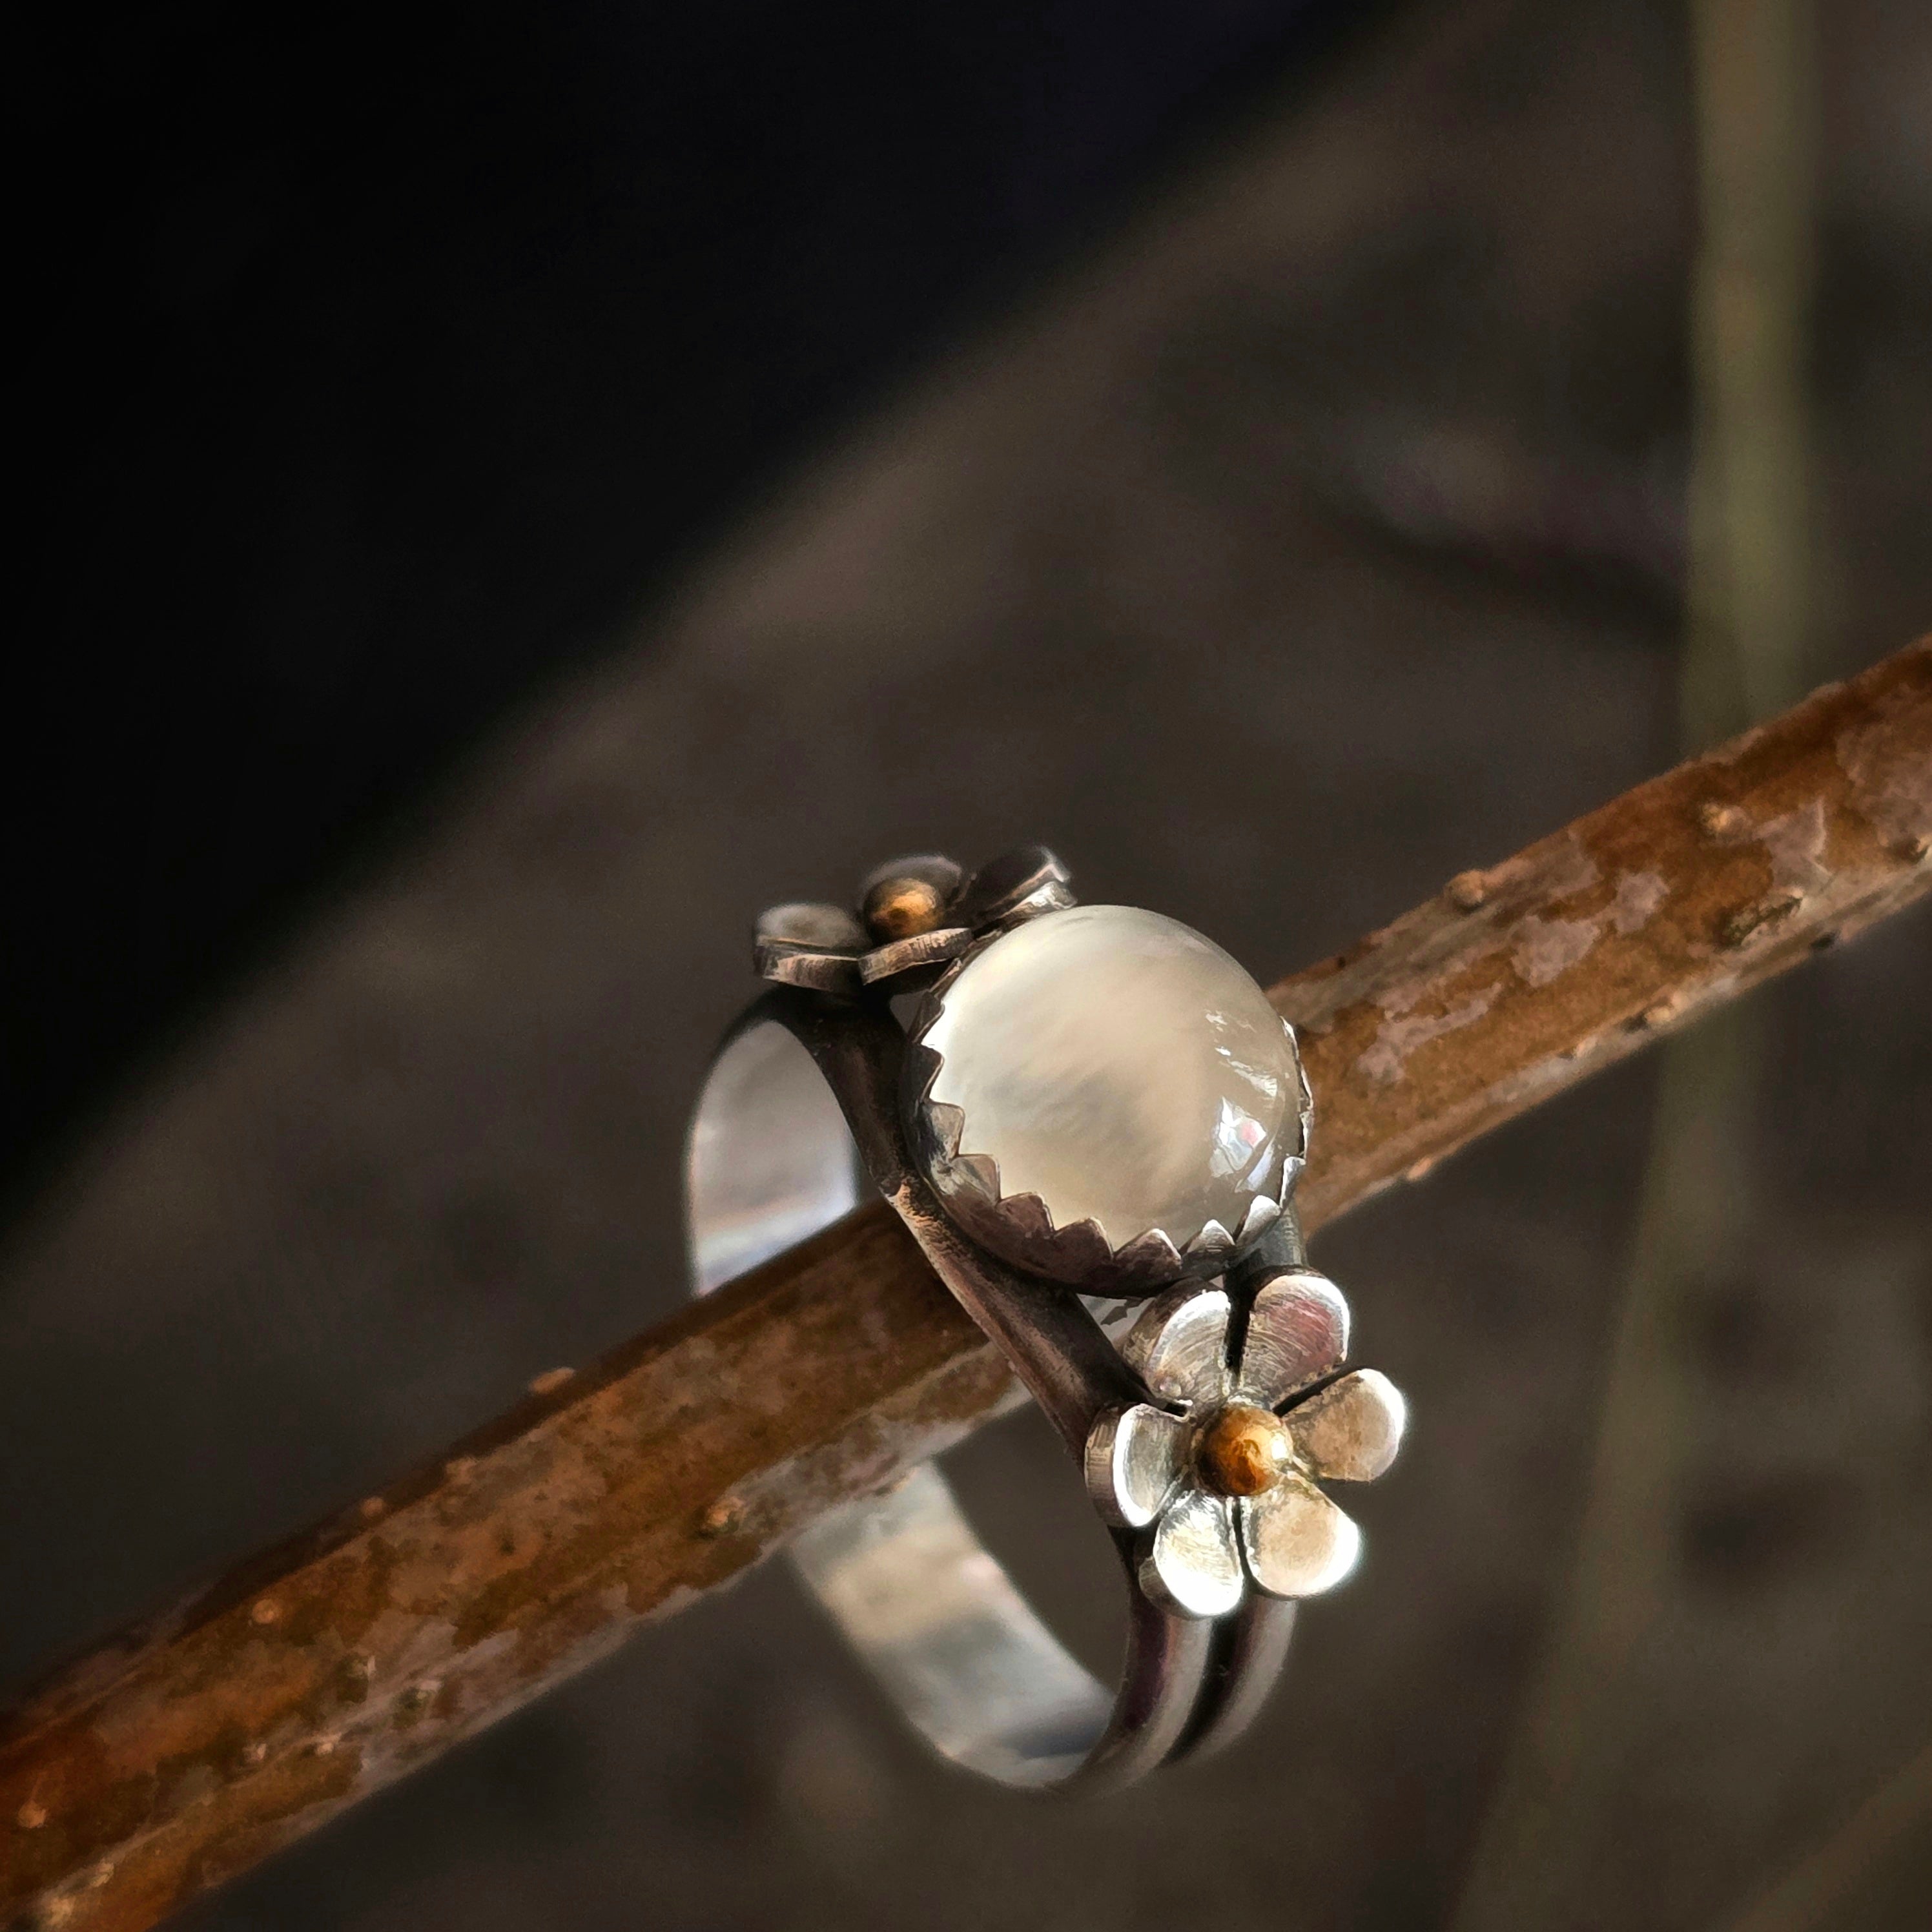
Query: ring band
x: 1199, y: 1433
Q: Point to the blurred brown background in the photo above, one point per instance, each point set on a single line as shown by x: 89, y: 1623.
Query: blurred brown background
x: 1253, y: 459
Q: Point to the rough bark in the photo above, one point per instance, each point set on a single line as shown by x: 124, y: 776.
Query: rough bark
x: 192, y: 1745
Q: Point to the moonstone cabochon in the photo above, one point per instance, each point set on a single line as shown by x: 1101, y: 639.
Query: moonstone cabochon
x: 1111, y: 1067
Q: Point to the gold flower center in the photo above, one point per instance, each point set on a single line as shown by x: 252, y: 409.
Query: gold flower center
x: 899, y: 908
x: 1243, y: 1450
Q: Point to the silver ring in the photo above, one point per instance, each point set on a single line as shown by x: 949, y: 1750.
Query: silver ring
x: 1092, y: 1122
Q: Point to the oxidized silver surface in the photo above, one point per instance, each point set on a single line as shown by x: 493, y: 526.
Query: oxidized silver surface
x: 1203, y: 1435
x: 827, y: 949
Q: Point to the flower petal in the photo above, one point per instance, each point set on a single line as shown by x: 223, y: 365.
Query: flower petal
x: 1192, y: 1565
x: 823, y: 928
x: 1349, y: 1432
x: 1133, y: 1457
x: 1004, y: 885
x: 1179, y: 1346
x: 813, y: 945
x: 909, y: 955
x: 1297, y: 1542
x: 1297, y: 1329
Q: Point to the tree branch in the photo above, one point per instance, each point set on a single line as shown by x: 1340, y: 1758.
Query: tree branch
x: 190, y: 1748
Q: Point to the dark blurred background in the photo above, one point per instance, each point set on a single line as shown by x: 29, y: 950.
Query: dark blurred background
x: 511, y: 491
x: 392, y: 363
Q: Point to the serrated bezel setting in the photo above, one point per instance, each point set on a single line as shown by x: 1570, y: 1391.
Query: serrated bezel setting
x: 1022, y: 1228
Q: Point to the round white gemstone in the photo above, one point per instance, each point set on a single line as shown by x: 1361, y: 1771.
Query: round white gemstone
x: 1122, y: 1068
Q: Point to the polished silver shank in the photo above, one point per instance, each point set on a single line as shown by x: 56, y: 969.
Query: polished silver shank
x: 798, y: 1116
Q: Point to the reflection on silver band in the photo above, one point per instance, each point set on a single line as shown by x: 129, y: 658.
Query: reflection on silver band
x: 949, y: 1636
x: 772, y: 1158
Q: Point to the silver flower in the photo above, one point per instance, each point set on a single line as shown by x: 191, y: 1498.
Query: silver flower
x: 913, y: 915
x: 1220, y: 1466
